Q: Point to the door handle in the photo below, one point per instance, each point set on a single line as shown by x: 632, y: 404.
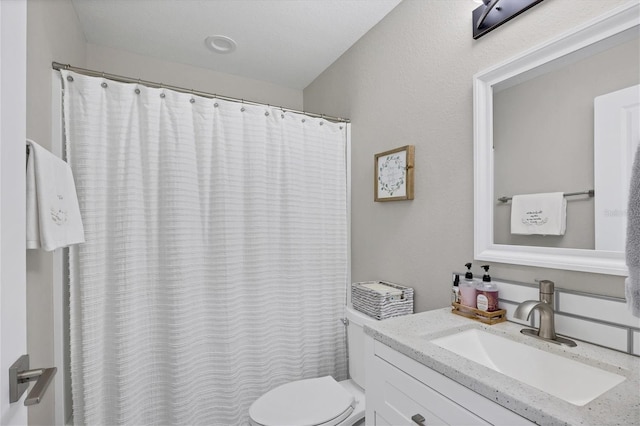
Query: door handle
x: 418, y: 419
x: 20, y: 376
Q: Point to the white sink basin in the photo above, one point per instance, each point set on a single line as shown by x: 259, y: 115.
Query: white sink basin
x: 564, y: 378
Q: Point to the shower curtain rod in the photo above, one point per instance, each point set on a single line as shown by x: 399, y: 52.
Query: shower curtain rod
x: 58, y: 66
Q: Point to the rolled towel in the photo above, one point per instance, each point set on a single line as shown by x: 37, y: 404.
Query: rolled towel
x: 632, y: 283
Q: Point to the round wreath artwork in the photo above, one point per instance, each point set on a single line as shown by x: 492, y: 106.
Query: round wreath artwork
x: 391, y: 173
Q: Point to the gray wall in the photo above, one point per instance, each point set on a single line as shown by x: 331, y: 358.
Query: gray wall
x: 543, y: 140
x: 54, y: 34
x: 409, y: 81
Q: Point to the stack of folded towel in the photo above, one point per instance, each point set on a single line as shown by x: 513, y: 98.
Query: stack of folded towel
x: 53, y: 214
x: 539, y: 214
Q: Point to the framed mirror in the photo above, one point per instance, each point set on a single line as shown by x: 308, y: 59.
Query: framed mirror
x: 539, y: 91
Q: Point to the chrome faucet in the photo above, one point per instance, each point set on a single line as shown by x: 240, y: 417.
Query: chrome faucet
x: 547, y: 330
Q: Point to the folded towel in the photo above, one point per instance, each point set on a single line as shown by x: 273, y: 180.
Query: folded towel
x: 385, y: 290
x: 53, y: 214
x: 539, y: 214
x: 632, y: 283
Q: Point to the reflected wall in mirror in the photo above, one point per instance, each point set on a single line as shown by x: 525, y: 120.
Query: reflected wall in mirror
x: 543, y: 140
x: 534, y: 133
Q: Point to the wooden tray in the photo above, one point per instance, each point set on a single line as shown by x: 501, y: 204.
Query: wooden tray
x: 490, y: 318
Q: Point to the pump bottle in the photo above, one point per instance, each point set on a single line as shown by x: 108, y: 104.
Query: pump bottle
x: 487, y: 293
x: 468, y: 289
x: 455, y: 290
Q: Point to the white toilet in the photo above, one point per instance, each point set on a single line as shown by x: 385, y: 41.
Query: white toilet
x: 321, y: 401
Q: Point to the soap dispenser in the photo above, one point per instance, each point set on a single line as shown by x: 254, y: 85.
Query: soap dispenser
x: 468, y: 289
x: 455, y: 290
x: 487, y: 293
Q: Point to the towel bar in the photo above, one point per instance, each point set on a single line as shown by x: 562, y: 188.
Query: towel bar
x: 589, y: 192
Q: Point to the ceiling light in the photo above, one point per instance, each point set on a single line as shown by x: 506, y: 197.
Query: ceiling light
x: 220, y: 44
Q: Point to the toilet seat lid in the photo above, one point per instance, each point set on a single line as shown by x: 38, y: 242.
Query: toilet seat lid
x: 307, y: 402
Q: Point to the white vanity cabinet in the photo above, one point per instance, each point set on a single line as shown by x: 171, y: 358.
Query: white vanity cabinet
x: 401, y: 391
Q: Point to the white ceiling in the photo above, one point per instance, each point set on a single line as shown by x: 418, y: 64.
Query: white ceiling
x: 286, y: 42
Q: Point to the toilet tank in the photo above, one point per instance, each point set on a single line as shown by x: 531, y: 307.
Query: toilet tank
x: 355, y: 341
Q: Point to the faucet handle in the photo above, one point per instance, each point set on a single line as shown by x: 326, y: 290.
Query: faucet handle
x: 546, y: 291
x: 546, y: 286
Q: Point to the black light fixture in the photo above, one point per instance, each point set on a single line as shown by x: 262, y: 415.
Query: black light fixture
x: 493, y: 13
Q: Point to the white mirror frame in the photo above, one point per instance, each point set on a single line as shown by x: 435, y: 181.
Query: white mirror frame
x: 595, y: 261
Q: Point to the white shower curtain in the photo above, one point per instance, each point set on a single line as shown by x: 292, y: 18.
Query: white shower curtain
x: 216, y: 257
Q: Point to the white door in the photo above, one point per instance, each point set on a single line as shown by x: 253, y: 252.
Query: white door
x: 616, y: 137
x: 13, y: 320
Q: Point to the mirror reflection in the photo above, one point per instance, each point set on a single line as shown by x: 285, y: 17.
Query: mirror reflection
x: 543, y: 140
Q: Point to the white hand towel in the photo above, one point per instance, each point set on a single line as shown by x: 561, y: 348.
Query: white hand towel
x: 539, y: 214
x: 53, y: 214
x: 632, y: 283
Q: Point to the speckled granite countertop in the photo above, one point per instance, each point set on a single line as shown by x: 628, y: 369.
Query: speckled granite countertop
x: 411, y: 336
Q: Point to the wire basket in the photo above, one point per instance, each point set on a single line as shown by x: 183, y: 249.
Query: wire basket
x: 382, y: 299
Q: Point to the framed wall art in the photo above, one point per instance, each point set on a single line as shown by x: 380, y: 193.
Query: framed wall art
x: 393, y: 180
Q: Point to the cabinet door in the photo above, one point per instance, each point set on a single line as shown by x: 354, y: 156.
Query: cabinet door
x: 402, y: 398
